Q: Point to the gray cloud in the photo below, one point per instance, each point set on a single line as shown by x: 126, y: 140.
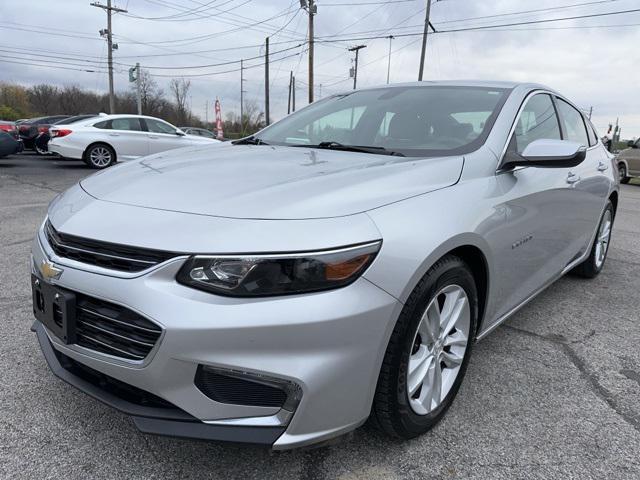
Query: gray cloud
x: 593, y: 66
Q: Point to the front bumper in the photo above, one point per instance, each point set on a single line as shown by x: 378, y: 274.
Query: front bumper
x: 330, y: 344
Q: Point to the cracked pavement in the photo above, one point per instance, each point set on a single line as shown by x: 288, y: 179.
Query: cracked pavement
x: 553, y: 393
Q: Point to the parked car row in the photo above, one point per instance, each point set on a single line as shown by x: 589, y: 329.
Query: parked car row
x: 102, y: 141
x: 99, y: 139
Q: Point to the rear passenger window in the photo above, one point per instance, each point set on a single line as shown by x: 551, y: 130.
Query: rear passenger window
x: 126, y: 124
x: 574, y: 128
x: 538, y: 120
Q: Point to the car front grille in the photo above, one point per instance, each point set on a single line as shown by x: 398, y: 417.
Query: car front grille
x: 104, y: 254
x: 114, y: 330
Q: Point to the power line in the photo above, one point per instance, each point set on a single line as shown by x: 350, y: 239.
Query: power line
x: 523, y: 12
x: 53, y: 66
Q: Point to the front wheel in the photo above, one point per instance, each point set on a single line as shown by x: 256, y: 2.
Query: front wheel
x: 428, y: 352
x: 622, y: 173
x: 99, y: 156
x: 592, y: 266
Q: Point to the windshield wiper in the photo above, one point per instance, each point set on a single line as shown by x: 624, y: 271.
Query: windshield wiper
x: 251, y: 140
x: 354, y: 148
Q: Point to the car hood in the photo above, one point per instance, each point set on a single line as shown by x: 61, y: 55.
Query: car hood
x: 270, y: 182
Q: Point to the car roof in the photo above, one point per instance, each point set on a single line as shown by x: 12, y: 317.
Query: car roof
x: 461, y: 83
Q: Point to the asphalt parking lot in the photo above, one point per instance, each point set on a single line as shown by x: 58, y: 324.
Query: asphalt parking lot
x: 554, y: 393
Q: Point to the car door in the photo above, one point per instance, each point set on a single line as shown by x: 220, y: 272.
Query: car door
x: 590, y: 182
x: 162, y: 136
x: 632, y: 156
x: 126, y: 136
x: 536, y: 240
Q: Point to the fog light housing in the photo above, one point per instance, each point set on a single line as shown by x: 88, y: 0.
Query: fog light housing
x: 247, y: 388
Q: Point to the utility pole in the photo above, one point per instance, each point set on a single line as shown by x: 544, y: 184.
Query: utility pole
x: 242, y: 97
x: 293, y: 93
x: 590, y: 111
x: 355, y: 72
x: 311, y: 7
x: 266, y: 82
x: 289, y: 97
x: 424, y: 40
x: 110, y: 46
x: 139, y: 87
x: 389, y: 62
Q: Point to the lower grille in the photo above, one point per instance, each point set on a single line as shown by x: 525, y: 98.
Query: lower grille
x: 112, y: 329
x: 113, y: 256
x: 113, y: 386
x: 231, y: 388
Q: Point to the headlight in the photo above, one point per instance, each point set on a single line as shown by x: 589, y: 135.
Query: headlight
x: 278, y: 274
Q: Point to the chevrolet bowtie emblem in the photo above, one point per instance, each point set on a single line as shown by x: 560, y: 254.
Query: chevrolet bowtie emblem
x: 50, y: 271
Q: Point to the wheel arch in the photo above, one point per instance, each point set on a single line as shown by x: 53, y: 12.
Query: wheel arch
x: 614, y: 201
x: 472, y: 249
x: 622, y: 161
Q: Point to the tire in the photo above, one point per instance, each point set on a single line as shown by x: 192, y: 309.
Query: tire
x: 99, y: 156
x: 593, y: 265
x: 396, y: 411
x: 40, y: 150
x: 622, y: 173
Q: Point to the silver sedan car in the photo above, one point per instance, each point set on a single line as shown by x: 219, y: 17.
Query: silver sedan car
x: 337, y: 266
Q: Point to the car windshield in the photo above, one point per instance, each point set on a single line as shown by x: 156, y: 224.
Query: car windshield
x: 412, y: 121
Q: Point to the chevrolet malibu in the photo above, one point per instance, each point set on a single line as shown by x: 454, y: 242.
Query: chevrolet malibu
x: 337, y: 266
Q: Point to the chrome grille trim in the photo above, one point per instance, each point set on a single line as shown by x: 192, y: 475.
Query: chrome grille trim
x: 110, y: 256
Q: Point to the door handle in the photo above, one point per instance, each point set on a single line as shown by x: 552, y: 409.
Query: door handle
x: 153, y: 136
x: 114, y: 134
x: 602, y: 167
x: 572, y: 178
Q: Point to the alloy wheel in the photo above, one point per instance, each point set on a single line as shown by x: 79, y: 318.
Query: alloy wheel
x: 604, y: 236
x: 100, y: 156
x: 622, y: 172
x: 438, y: 349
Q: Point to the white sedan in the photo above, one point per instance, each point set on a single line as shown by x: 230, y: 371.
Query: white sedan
x: 101, y: 141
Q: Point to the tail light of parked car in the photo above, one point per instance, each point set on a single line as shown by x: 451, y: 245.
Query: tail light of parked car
x: 57, y: 133
x: 10, y: 129
x: 43, y: 129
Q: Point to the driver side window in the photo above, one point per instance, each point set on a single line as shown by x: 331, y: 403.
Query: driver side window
x: 538, y: 120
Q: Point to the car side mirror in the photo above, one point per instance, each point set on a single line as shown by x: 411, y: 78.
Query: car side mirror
x: 547, y: 153
x: 180, y: 133
x: 632, y: 144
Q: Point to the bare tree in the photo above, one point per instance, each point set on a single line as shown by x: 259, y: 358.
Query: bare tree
x: 44, y: 99
x: 180, y: 91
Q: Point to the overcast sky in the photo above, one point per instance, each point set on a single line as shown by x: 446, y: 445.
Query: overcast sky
x: 592, y: 65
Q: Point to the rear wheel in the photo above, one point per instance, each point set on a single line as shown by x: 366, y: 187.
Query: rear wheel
x: 99, y: 156
x: 593, y: 265
x: 428, y: 352
x: 622, y: 173
x: 41, y: 147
